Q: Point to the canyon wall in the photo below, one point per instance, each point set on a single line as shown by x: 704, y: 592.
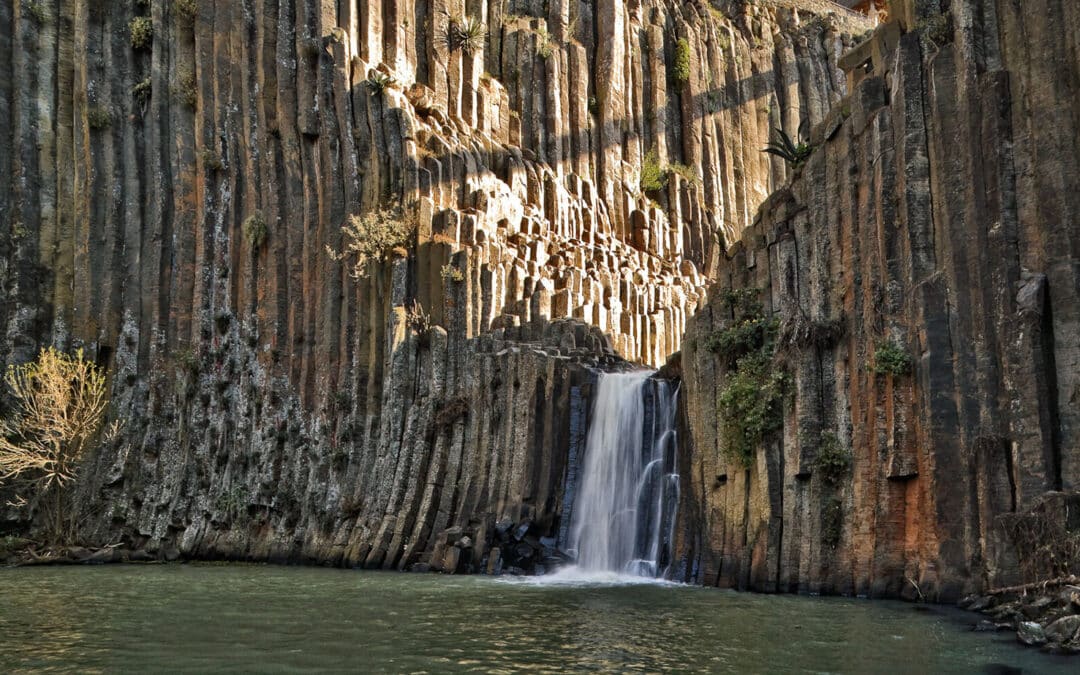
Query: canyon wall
x: 923, y: 268
x: 173, y: 172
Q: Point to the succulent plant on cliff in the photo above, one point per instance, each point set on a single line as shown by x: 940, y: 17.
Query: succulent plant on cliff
x: 467, y: 34
x: 379, y: 83
x: 787, y: 150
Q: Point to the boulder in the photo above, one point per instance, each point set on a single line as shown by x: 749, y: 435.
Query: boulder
x: 1064, y: 629
x: 1030, y: 633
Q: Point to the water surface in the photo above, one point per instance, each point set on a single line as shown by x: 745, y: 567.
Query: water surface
x: 201, y: 618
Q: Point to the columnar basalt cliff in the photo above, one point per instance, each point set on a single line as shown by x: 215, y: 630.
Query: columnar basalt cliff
x: 924, y: 270
x: 173, y: 172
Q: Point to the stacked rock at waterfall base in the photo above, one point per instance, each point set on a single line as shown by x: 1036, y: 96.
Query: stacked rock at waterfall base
x: 935, y: 223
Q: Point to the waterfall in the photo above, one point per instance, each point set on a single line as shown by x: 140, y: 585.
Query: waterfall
x: 623, y: 518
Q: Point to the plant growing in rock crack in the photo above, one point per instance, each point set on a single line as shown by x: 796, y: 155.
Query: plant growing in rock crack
x: 186, y: 10
x: 891, y: 359
x: 680, y: 70
x: 59, y: 413
x: 452, y: 273
x: 653, y: 176
x: 255, y: 230
x: 467, y: 34
x: 832, y: 460
x: 749, y: 331
x: 98, y: 117
x: 141, y: 92
x: 751, y: 400
x: 187, y: 89
x: 378, y: 83
x: 787, y: 150
x: 36, y: 10
x: 373, y: 237
x: 141, y: 30
x: 544, y: 45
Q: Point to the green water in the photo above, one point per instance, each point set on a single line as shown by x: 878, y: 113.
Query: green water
x: 194, y: 618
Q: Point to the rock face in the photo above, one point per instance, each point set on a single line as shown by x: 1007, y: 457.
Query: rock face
x: 168, y: 200
x: 923, y: 266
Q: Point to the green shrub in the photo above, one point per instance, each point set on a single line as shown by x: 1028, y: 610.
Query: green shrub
x: 187, y: 89
x: 653, y: 176
x: 98, y: 117
x: 452, y: 273
x: 891, y: 359
x: 544, y: 46
x: 681, y: 70
x: 742, y: 337
x: 255, y: 230
x: 142, y: 32
x: 832, y: 459
x: 751, y: 330
x: 685, y: 172
x: 187, y: 10
x: 751, y: 401
x: 373, y: 236
x: 141, y: 91
x: 751, y: 406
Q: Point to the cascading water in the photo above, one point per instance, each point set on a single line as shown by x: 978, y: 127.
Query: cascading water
x: 623, y: 518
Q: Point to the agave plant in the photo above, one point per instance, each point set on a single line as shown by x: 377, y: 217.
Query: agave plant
x: 378, y: 82
x: 466, y: 34
x: 787, y: 150
x: 471, y: 35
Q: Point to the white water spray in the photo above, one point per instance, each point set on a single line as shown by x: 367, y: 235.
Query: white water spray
x: 624, y: 515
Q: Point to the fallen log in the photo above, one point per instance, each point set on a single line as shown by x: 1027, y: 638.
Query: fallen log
x: 1036, y: 585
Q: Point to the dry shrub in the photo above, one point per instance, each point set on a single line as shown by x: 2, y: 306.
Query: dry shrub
x: 1046, y: 539
x: 60, y: 403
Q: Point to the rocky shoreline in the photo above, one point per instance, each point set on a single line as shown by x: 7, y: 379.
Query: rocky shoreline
x: 1045, y: 615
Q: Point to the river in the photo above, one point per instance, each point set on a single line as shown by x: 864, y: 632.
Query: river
x: 218, y: 618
